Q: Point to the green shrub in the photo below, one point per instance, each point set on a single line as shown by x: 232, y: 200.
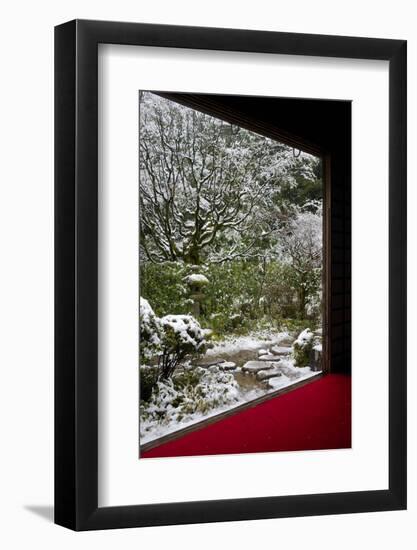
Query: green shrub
x: 164, y: 287
x: 148, y: 377
x: 302, y: 348
x: 190, y: 391
x: 239, y: 296
x: 182, y: 336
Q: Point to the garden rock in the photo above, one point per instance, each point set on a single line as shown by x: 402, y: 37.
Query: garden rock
x: 255, y: 366
x: 211, y: 362
x: 281, y: 350
x: 269, y: 357
x: 227, y: 365
x: 270, y: 373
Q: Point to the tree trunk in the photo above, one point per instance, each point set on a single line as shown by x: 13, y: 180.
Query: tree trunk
x: 302, y: 303
x: 193, y: 258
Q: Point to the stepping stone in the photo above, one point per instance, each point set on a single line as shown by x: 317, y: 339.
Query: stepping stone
x: 281, y: 350
x: 211, y: 362
x: 227, y: 365
x: 255, y: 366
x: 286, y: 342
x: 269, y: 357
x: 266, y: 374
x: 263, y: 352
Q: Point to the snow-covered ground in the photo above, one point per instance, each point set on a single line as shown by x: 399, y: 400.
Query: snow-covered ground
x: 254, y: 341
x: 153, y: 430
x: 226, y: 389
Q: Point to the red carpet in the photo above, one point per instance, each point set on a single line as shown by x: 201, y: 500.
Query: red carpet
x: 315, y: 416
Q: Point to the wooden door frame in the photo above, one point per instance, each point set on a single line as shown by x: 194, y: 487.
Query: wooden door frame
x: 327, y: 263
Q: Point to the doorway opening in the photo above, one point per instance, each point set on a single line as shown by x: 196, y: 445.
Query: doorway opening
x: 234, y: 263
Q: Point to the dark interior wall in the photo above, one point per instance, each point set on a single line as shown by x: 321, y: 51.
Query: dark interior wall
x: 340, y: 280
x: 321, y: 127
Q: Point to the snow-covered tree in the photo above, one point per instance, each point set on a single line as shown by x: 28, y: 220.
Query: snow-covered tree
x: 301, y: 246
x: 208, y: 189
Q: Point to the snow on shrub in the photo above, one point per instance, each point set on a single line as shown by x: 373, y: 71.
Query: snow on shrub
x: 302, y: 347
x: 185, y: 397
x: 181, y: 335
x: 169, y: 339
x: 150, y: 331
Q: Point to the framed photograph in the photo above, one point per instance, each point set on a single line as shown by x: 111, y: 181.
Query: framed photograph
x: 230, y: 244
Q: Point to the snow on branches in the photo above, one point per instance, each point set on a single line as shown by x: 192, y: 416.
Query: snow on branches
x: 182, y: 336
x: 301, y: 246
x: 207, y: 187
x: 169, y: 339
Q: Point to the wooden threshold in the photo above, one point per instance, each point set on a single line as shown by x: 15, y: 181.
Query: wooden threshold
x: 224, y: 414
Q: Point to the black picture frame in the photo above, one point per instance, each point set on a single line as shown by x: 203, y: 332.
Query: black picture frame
x: 76, y: 268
